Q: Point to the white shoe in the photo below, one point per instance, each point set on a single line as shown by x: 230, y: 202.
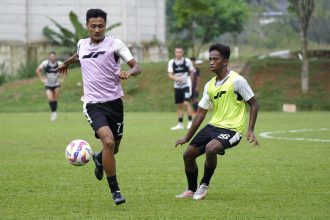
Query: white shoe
x: 201, y: 192
x: 53, y: 116
x: 185, y: 194
x: 177, y: 127
x: 189, y: 124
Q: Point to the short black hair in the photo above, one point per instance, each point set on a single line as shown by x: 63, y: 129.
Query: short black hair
x: 52, y: 52
x: 224, y: 50
x: 95, y: 13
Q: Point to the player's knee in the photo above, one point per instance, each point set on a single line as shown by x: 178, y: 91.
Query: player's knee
x: 108, y: 143
x: 188, y: 156
x: 211, y: 149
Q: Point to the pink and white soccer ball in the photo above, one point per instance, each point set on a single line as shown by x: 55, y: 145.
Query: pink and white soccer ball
x: 78, y: 152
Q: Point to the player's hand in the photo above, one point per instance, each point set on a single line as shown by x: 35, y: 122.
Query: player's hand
x: 181, y: 141
x: 44, y: 81
x: 124, y: 75
x: 179, y: 79
x: 62, y: 69
x: 251, y: 138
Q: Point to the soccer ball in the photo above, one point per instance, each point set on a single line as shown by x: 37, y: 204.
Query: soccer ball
x: 78, y: 152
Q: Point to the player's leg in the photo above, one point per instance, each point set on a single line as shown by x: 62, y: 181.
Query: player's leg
x: 194, y: 150
x: 51, y: 102
x: 223, y: 139
x: 109, y: 162
x: 187, y: 100
x: 191, y: 171
x: 211, y: 152
x: 179, y: 99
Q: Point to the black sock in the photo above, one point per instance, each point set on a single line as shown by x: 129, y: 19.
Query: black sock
x: 53, y: 106
x: 113, y: 184
x: 99, y: 158
x: 192, y: 180
x: 180, y: 120
x: 189, y: 117
x: 208, y: 172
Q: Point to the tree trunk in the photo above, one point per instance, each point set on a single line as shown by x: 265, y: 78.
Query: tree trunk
x: 305, y: 66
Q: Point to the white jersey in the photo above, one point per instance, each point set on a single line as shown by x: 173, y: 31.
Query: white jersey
x: 50, y: 71
x: 181, y: 68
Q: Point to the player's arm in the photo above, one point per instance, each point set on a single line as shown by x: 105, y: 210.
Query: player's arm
x: 63, y: 68
x: 134, y: 70
x: 38, y: 72
x: 252, y: 121
x: 198, y: 81
x: 197, y: 121
x: 244, y: 89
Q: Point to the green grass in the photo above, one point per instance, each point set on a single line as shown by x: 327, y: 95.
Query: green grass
x: 278, y: 180
x: 274, y: 82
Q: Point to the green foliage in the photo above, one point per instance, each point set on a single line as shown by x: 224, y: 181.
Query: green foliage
x: 27, y: 70
x: 274, y: 82
x: 200, y: 21
x: 281, y: 179
x: 67, y: 38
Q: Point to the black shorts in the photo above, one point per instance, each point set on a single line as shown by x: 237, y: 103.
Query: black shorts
x: 106, y: 114
x: 52, y: 87
x: 181, y: 95
x: 227, y: 138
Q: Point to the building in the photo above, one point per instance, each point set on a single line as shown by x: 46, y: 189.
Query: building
x: 22, y: 21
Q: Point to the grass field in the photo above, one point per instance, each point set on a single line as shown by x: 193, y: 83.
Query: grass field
x: 281, y: 179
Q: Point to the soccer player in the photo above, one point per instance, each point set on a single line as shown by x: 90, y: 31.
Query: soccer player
x: 99, y: 56
x: 227, y: 92
x: 180, y: 70
x: 51, y: 81
x: 196, y: 79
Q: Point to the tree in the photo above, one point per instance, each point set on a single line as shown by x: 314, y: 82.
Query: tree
x: 198, y: 22
x: 304, y: 10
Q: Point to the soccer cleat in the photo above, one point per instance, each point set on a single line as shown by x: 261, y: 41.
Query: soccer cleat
x: 201, y: 192
x: 118, y: 198
x: 53, y: 116
x: 177, y: 127
x: 98, y: 171
x: 185, y: 194
x: 189, y: 124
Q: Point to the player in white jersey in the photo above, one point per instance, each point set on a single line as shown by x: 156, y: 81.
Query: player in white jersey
x: 180, y: 70
x: 99, y: 57
x: 51, y: 81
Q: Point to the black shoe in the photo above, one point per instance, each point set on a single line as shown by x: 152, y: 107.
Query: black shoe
x: 118, y: 198
x: 98, y: 168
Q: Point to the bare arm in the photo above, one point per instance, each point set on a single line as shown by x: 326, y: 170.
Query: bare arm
x: 63, y: 68
x: 134, y: 70
x: 252, y: 121
x: 197, y: 121
x: 198, y: 82
x: 40, y: 76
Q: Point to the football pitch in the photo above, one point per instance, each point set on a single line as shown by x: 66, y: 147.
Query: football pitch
x: 287, y: 177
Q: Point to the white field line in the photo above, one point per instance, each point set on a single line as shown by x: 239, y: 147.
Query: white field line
x: 269, y: 134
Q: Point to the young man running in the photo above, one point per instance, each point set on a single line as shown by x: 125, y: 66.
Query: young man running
x: 227, y: 92
x: 51, y: 81
x: 99, y: 57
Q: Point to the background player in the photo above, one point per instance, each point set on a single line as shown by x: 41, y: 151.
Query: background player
x: 180, y: 70
x: 51, y: 80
